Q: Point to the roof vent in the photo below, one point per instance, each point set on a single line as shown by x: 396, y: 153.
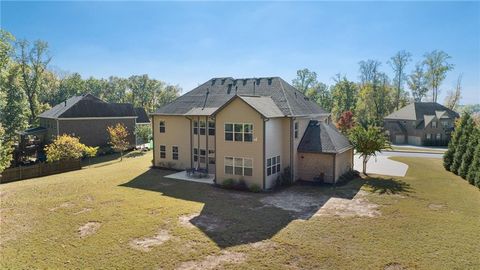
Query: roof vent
x: 244, y: 82
x: 269, y: 81
x: 236, y: 89
x: 295, y: 94
x: 213, y: 81
x: 229, y: 89
x: 223, y: 81
x: 258, y: 81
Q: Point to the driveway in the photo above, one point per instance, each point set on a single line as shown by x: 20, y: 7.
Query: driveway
x: 381, y: 165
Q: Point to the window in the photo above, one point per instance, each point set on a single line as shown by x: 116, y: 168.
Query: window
x: 195, y: 154
x: 295, y: 130
x: 175, y: 152
x: 434, y: 124
x: 202, y: 127
x: 273, y: 165
x: 162, y: 126
x: 439, y: 136
x: 211, y: 128
x: 429, y: 136
x: 211, y: 156
x: 203, y: 158
x: 445, y: 124
x: 163, y: 151
x: 239, y: 166
x: 195, y: 127
x: 239, y: 132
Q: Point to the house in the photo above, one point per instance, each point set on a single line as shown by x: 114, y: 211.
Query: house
x: 421, y: 123
x: 252, y: 129
x: 88, y: 117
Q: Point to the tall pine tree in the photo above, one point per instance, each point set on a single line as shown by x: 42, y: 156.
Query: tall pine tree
x: 468, y: 156
x: 462, y: 146
x: 473, y: 175
x: 452, y: 145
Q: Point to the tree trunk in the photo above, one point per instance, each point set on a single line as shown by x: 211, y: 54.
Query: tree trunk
x: 365, y: 165
x: 121, y: 155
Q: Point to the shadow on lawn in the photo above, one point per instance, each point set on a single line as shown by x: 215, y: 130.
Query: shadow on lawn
x: 387, y: 185
x: 233, y: 218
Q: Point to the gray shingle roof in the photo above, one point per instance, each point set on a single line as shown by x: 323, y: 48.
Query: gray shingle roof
x: 417, y: 111
x: 88, y: 106
x: 218, y: 91
x: 264, y: 105
x: 142, y: 116
x: 321, y: 137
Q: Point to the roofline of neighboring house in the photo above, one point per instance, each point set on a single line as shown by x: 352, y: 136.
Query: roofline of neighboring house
x: 343, y: 150
x: 288, y: 116
x: 89, y: 118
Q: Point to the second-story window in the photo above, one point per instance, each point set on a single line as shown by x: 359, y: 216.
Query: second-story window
x: 202, y: 127
x: 162, y: 126
x: 211, y: 128
x: 195, y: 127
x: 295, y: 129
x: 239, y: 132
x: 434, y: 124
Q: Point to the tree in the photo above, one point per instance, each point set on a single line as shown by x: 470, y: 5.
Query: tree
x: 64, y: 147
x: 13, y: 111
x: 5, y: 151
x: 452, y: 145
x: 375, y: 101
x: 6, y: 49
x: 367, y: 142
x: 346, y: 122
x: 344, y: 96
x: 305, y: 80
x: 33, y: 64
x: 118, y: 138
x: 462, y: 146
x: 369, y: 72
x: 144, y: 133
x: 70, y: 85
x: 90, y: 152
x: 453, y: 97
x: 437, y: 68
x: 467, y: 157
x: 168, y: 94
x: 473, y: 175
x: 398, y: 63
x: 417, y: 82
x: 322, y: 95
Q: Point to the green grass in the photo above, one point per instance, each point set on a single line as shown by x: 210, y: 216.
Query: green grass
x: 418, y: 150
x: 429, y: 219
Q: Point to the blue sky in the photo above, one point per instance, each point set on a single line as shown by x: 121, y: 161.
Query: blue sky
x: 187, y: 43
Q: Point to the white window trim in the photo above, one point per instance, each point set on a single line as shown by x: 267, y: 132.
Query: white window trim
x: 164, y: 125
x: 233, y: 166
x: 233, y: 132
x: 277, y: 162
x: 160, y: 148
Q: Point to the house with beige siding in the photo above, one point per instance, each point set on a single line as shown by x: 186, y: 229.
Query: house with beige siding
x: 252, y: 129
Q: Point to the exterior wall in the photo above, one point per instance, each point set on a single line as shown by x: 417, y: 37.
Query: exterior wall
x: 203, y: 142
x: 312, y: 165
x: 239, y: 112
x: 343, y: 163
x: 177, y: 133
x: 51, y: 126
x: 277, y: 144
x: 302, y: 127
x: 418, y: 136
x: 93, y: 132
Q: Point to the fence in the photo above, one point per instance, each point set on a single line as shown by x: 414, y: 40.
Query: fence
x: 40, y: 169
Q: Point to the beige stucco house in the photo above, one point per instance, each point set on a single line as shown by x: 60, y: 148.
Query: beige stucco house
x: 250, y: 129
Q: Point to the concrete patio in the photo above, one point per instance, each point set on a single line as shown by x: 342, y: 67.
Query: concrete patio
x: 183, y: 176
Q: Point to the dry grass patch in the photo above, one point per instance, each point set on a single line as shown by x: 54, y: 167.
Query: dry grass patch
x: 63, y: 205
x: 359, y: 206
x: 185, y: 220
x: 214, y: 261
x: 146, y: 244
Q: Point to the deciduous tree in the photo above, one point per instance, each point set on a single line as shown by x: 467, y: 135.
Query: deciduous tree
x: 344, y: 96
x: 398, y: 63
x: 417, y: 82
x: 437, y: 67
x: 453, y: 97
x: 367, y: 142
x: 5, y: 151
x: 118, y: 138
x: 345, y: 122
x: 64, y: 147
x: 305, y: 80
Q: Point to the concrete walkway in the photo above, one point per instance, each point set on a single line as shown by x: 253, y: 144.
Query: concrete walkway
x: 183, y: 176
x: 381, y: 165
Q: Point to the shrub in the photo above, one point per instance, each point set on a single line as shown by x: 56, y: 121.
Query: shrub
x: 285, y: 178
x: 228, y: 183
x: 461, y: 146
x: 241, y: 185
x: 255, y: 188
x: 452, y: 145
x: 473, y: 175
x: 469, y: 152
x: 63, y: 148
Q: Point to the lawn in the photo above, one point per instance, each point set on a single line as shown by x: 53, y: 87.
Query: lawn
x: 126, y: 215
x: 438, y: 150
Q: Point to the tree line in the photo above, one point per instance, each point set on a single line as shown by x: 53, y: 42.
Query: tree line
x: 375, y: 95
x: 28, y: 86
x: 463, y: 154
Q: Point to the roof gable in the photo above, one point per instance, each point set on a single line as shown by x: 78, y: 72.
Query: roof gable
x: 321, y: 137
x: 418, y: 110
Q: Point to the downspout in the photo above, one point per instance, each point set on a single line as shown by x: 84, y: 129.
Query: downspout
x: 198, y: 142
x: 334, y: 168
x: 153, y: 140
x: 215, y: 153
x: 264, y: 151
x: 292, y: 174
x: 206, y: 141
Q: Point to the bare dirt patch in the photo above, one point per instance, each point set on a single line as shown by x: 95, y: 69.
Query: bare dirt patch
x: 214, y: 261
x: 436, y: 207
x: 89, y: 228
x: 358, y: 206
x: 84, y: 210
x: 304, y: 205
x: 63, y: 205
x: 263, y: 245
x: 185, y: 220
x: 146, y: 244
x: 393, y: 266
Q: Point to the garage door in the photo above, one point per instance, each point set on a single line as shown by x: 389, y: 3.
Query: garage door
x: 414, y: 140
x: 399, y: 139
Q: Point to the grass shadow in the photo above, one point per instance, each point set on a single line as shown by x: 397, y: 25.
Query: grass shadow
x: 233, y: 218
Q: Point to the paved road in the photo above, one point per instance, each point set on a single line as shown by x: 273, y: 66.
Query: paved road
x: 409, y: 154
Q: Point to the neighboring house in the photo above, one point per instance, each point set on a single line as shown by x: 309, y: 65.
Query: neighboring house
x: 88, y: 117
x: 250, y: 129
x: 421, y: 123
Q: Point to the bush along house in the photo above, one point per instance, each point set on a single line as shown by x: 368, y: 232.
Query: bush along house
x: 255, y: 130
x: 421, y: 123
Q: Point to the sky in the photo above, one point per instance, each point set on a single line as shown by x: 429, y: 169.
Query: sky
x: 187, y: 43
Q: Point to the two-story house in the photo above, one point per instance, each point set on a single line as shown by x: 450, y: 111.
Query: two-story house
x: 421, y: 123
x: 250, y: 129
